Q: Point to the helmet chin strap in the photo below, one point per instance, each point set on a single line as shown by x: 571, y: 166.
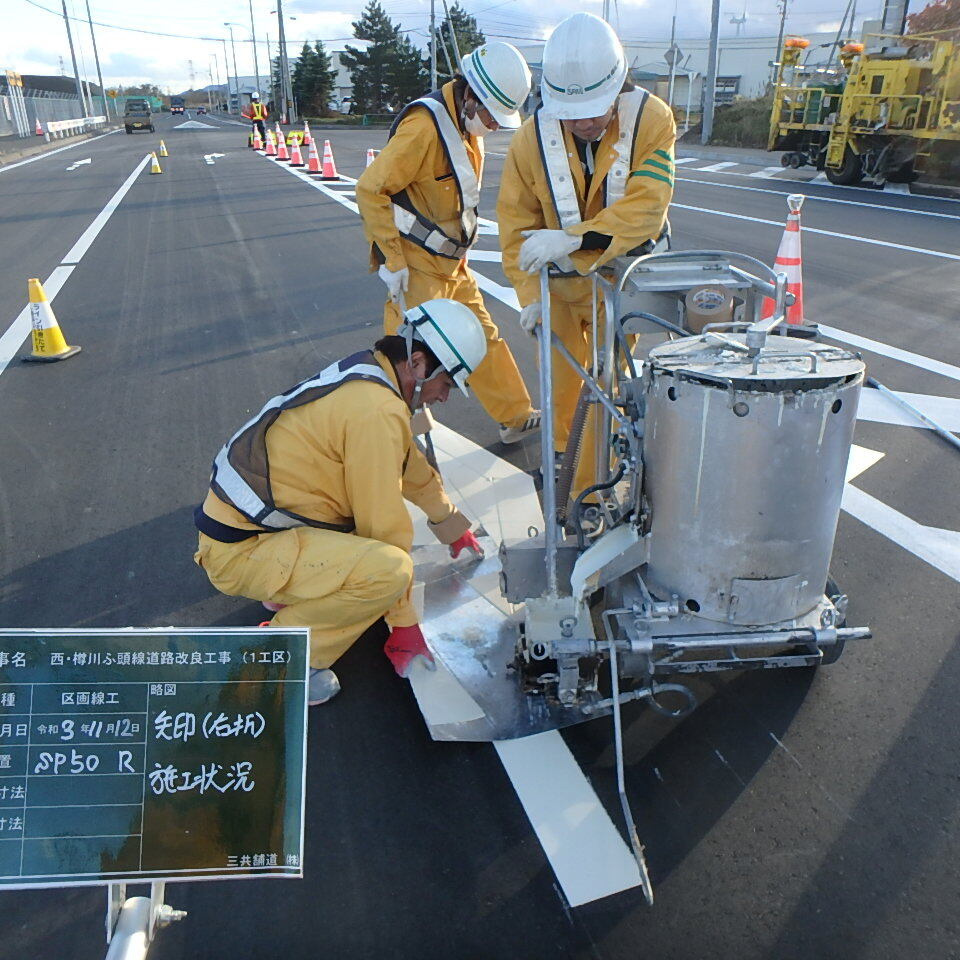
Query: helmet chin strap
x: 406, y: 331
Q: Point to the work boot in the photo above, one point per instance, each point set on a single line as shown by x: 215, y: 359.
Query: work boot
x: 323, y: 686
x: 529, y: 428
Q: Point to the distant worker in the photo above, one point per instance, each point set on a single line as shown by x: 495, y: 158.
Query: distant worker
x: 257, y: 112
x: 588, y: 178
x: 419, y: 199
x: 306, y: 509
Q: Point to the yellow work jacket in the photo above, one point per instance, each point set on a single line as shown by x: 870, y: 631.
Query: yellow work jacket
x: 525, y: 201
x: 414, y: 160
x: 351, y: 456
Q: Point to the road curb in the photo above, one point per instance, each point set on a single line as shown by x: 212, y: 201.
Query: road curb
x: 14, y: 156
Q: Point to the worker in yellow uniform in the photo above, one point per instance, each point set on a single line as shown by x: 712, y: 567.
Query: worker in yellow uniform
x: 588, y: 178
x: 419, y: 199
x: 257, y: 113
x: 306, y: 509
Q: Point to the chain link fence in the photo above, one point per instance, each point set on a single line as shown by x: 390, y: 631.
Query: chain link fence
x: 44, y: 105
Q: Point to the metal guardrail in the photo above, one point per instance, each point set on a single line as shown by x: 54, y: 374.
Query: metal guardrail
x: 62, y: 128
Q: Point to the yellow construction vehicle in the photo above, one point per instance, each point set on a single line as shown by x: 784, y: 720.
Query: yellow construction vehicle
x: 880, y: 115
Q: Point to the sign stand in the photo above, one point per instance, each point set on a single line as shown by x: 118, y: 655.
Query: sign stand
x: 132, y: 923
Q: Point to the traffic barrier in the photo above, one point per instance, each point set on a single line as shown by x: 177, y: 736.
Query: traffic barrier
x: 48, y: 340
x: 329, y: 169
x: 307, y: 139
x: 271, y: 150
x: 39, y: 130
x: 163, y: 149
x: 154, y: 164
x: 281, y: 146
x: 371, y: 155
x: 313, y: 161
x: 790, y: 262
x: 296, y: 158
x: 63, y: 128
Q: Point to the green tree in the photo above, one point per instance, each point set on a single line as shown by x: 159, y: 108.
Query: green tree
x: 313, y: 80
x: 370, y: 67
x: 408, y: 76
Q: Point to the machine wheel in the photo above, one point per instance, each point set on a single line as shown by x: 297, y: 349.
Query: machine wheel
x: 833, y: 654
x: 786, y: 159
x: 796, y: 161
x: 850, y: 174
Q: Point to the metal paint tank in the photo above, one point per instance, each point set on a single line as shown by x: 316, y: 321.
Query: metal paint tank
x: 745, y: 458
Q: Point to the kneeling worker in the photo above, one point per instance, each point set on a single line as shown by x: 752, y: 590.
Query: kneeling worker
x: 306, y: 505
x: 419, y: 199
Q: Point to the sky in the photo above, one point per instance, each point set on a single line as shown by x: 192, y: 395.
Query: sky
x: 34, y: 39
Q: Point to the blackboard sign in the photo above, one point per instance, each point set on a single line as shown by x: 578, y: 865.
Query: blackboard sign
x: 151, y: 754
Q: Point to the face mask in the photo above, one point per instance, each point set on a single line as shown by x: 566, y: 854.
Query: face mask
x: 474, y: 125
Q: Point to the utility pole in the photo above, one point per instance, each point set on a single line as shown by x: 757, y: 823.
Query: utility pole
x: 710, y: 89
x: 96, y: 60
x: 673, y: 59
x: 289, y: 108
x: 433, y: 45
x: 453, y: 36
x: 226, y: 70
x: 253, y: 40
x: 73, y: 57
x: 236, y: 76
x: 894, y: 16
x: 778, y: 53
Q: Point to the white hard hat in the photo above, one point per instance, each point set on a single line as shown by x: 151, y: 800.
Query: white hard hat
x: 583, y: 68
x: 500, y: 77
x: 452, y: 331
x: 254, y: 95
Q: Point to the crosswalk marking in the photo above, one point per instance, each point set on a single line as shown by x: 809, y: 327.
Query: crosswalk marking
x: 767, y: 172
x: 718, y: 166
x: 685, y: 159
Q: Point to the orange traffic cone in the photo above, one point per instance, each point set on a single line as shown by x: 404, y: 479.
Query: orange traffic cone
x: 790, y: 261
x: 307, y: 139
x: 296, y: 158
x: 313, y: 161
x: 281, y: 146
x: 39, y: 130
x: 48, y: 341
x: 371, y: 155
x: 329, y: 170
x: 271, y: 150
x: 257, y: 142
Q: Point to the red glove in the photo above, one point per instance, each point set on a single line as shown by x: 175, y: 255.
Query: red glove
x: 404, y: 646
x: 467, y: 542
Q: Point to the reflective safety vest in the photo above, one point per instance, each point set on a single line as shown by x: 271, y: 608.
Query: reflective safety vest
x: 412, y: 223
x: 258, y: 111
x: 241, y: 475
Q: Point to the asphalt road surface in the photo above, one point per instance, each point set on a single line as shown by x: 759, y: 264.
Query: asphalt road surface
x: 796, y: 814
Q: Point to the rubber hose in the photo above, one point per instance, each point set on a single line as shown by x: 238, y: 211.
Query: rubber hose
x: 578, y: 503
x: 571, y: 456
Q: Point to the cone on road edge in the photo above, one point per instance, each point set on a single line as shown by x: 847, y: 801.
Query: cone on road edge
x: 257, y: 142
x: 329, y: 169
x: 271, y: 149
x: 154, y: 164
x: 296, y: 158
x: 790, y: 262
x: 282, y: 154
x: 163, y: 149
x: 39, y: 130
x: 313, y: 160
x: 371, y: 155
x: 307, y: 139
x: 48, y: 341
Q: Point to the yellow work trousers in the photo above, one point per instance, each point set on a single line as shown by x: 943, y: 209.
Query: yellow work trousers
x: 497, y: 381
x: 337, y: 584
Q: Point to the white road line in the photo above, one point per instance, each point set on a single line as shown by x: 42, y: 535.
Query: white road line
x: 584, y: 848
x: 50, y: 153
x: 17, y: 332
x: 894, y: 353
x: 677, y: 160
x: 817, y: 198
x: 901, y: 188
x: 878, y: 408
x: 939, y: 548
x: 719, y: 166
x: 824, y: 233
x: 767, y: 172
x: 78, y: 250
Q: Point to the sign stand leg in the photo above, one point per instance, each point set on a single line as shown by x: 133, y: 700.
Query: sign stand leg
x: 132, y: 923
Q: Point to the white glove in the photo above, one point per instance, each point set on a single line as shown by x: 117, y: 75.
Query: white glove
x: 530, y: 316
x: 396, y: 281
x: 544, y: 246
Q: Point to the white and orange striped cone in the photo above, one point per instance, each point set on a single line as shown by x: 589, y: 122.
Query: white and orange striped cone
x: 48, y: 341
x: 271, y: 150
x: 307, y: 139
x: 371, y: 155
x: 257, y: 142
x: 313, y: 160
x: 790, y: 262
x: 296, y: 158
x: 282, y: 154
x: 39, y: 130
x: 329, y: 169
